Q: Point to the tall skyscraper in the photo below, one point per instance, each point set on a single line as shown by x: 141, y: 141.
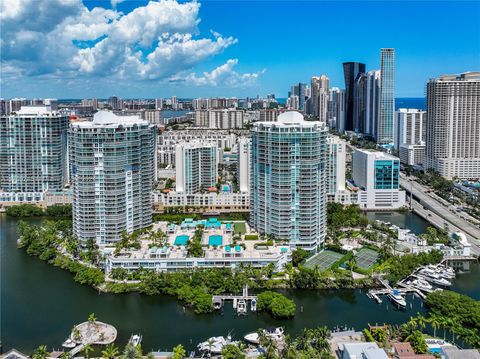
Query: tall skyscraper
x: 33, y: 147
x: 359, y: 103
x: 453, y: 125
x: 299, y: 90
x: 112, y: 165
x: 319, y: 96
x: 114, y: 103
x: 372, y: 102
x: 243, y: 166
x: 351, y: 70
x: 288, y: 179
x: 196, y: 166
x: 386, y: 109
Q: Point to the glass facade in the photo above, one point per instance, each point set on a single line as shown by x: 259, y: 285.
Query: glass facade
x: 288, y: 181
x: 386, y: 174
x: 33, y: 151
x: 386, y: 110
x: 112, y: 170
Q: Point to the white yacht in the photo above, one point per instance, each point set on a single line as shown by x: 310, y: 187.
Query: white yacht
x: 274, y: 333
x: 422, y: 284
x: 69, y: 343
x: 214, y: 345
x: 253, y: 305
x: 436, y: 279
x: 241, y: 307
x: 397, y: 298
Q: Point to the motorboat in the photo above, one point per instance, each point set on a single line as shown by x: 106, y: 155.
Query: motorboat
x: 69, y: 343
x: 241, y: 307
x: 214, y: 345
x: 436, y: 279
x: 277, y: 334
x: 135, y: 339
x: 397, y: 298
x: 422, y: 284
x: 253, y: 305
x: 439, y: 281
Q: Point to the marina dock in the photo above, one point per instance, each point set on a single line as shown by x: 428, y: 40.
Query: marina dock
x: 218, y: 300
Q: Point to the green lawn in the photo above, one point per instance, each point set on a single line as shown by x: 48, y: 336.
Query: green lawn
x: 239, y: 228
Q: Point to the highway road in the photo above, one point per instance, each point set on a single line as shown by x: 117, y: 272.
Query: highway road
x: 440, y: 214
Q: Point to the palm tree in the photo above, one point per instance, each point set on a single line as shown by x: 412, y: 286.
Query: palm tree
x: 179, y: 352
x: 40, y: 353
x: 110, y: 352
x: 65, y: 355
x: 130, y: 352
x: 444, y: 324
x: 421, y: 321
x: 91, y: 318
x: 76, y: 336
x: 352, y: 263
x: 210, y: 344
x: 435, y: 323
x: 87, y: 349
x: 268, y: 344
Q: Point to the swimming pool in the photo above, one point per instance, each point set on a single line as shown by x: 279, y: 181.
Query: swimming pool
x: 215, y: 240
x: 181, y: 240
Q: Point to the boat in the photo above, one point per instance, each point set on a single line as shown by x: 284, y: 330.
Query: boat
x: 253, y: 305
x: 242, y: 307
x: 436, y: 279
x: 214, y: 345
x: 397, y: 298
x: 422, y: 284
x: 274, y: 333
x: 69, y: 343
x: 135, y: 339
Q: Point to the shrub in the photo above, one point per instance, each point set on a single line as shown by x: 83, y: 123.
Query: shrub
x: 276, y: 304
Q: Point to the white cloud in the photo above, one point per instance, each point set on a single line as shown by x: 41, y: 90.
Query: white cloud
x: 224, y: 76
x: 64, y: 39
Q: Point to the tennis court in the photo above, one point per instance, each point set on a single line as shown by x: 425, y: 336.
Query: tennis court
x: 323, y: 260
x: 366, y: 258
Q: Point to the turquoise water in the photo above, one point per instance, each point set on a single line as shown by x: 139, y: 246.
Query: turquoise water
x: 181, y: 240
x: 215, y: 240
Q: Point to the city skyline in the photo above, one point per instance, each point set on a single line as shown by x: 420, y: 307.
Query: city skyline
x: 217, y: 55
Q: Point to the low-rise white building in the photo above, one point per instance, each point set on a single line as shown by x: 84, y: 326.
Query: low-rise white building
x: 223, y: 202
x: 412, y: 155
x: 361, y: 351
x: 376, y: 175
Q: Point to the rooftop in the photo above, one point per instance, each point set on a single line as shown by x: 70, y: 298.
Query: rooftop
x: 361, y: 350
x: 465, y: 76
x: 105, y: 118
x: 290, y: 119
x: 36, y: 110
x: 378, y: 154
x: 454, y: 353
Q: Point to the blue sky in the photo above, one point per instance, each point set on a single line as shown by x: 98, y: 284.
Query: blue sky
x: 225, y: 48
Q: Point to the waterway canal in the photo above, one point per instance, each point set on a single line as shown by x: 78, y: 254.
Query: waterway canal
x: 41, y: 303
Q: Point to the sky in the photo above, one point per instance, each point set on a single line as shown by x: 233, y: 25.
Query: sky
x: 149, y: 49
